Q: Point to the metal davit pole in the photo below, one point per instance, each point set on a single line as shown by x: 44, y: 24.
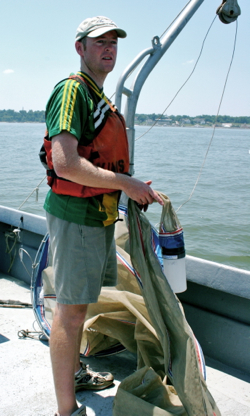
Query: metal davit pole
x: 159, y: 47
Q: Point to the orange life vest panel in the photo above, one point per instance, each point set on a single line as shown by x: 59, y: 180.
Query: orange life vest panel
x: 108, y: 150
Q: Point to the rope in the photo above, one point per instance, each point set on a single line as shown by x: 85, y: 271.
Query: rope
x: 21, y: 251
x: 11, y: 250
x: 36, y: 189
x: 25, y: 333
x: 214, y: 126
x: 37, y: 335
x: 196, y: 63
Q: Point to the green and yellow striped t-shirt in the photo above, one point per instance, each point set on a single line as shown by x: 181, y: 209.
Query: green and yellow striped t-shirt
x: 71, y: 108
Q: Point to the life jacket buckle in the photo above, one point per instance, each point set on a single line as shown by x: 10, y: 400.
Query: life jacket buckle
x: 43, y: 158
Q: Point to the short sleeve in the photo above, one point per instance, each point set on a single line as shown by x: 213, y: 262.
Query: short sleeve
x: 68, y: 108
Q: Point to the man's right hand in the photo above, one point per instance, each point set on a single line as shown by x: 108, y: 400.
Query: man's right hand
x: 141, y: 192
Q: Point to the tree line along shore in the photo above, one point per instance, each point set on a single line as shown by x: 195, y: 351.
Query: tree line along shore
x: 11, y: 116
x: 188, y: 121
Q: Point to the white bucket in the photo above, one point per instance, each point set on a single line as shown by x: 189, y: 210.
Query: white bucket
x: 175, y: 272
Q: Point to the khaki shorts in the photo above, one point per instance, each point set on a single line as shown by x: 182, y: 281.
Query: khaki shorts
x: 83, y: 258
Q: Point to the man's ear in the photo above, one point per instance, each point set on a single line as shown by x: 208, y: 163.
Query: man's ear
x: 79, y: 48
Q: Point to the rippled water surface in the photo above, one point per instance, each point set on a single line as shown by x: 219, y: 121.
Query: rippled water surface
x: 216, y: 220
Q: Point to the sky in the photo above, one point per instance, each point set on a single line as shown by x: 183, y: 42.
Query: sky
x: 37, y: 51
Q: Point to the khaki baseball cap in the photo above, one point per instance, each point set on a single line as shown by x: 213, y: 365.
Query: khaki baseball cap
x: 97, y: 26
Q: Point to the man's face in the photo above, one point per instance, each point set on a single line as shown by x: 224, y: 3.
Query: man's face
x: 99, y: 54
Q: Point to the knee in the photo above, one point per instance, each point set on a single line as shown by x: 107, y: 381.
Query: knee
x: 71, y: 315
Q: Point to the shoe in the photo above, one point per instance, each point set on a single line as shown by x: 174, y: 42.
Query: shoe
x: 87, y: 379
x: 81, y: 411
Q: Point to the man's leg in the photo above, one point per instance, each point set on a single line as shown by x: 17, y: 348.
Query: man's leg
x: 79, y: 259
x: 78, y: 349
x: 64, y: 351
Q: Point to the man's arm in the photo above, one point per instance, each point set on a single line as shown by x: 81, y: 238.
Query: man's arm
x: 69, y: 165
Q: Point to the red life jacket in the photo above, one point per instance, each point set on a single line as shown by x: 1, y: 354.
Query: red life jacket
x: 108, y: 150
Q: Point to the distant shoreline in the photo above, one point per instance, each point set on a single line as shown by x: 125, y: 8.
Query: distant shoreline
x: 246, y: 127
x: 196, y: 127
x: 204, y: 120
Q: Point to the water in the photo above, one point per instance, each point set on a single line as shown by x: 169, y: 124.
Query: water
x: 216, y: 220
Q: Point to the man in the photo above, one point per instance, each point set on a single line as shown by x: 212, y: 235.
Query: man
x: 87, y: 154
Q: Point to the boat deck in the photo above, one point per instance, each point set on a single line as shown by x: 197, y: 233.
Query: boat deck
x: 26, y: 378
